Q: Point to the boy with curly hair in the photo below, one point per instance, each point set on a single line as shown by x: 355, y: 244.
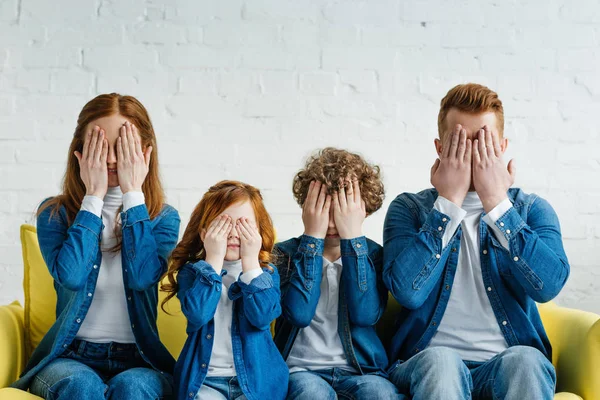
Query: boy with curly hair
x: 331, y: 284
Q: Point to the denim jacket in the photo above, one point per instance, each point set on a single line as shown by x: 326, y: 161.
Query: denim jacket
x: 419, y: 272
x: 261, y: 372
x: 73, y: 256
x: 363, y: 297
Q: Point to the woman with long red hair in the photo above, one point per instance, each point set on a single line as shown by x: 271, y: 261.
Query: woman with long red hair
x: 106, y: 240
x: 229, y: 292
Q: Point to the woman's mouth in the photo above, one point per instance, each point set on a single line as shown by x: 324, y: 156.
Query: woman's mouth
x: 233, y: 246
x: 112, y: 171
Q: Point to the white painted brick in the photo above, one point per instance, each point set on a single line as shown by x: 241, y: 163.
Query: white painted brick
x: 36, y: 177
x: 273, y: 58
x: 22, y: 35
x: 44, y: 57
x: 192, y: 56
x: 85, y: 32
x: 279, y: 82
x: 220, y: 34
x: 409, y: 34
x: 281, y: 10
x: 239, y: 83
x: 557, y: 35
x: 156, y: 33
x: 115, y: 82
x: 202, y: 107
x: 201, y: 82
x: 72, y: 82
x: 579, y: 60
x: 318, y: 83
x: 9, y: 11
x: 42, y: 12
x: 7, y: 105
x: 130, y: 10
x: 194, y: 12
x: 16, y: 128
x: 301, y: 34
x: 272, y: 106
x: 586, y: 11
x: 120, y: 58
x: 382, y: 12
x: 338, y: 36
x: 358, y: 58
x: 42, y: 152
x: 358, y: 81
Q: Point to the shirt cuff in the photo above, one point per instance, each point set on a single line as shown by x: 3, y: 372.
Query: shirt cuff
x: 248, y: 276
x: 455, y: 213
x: 93, y: 204
x: 493, y: 216
x: 132, y: 199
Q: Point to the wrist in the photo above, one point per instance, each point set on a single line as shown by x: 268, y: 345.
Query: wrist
x: 456, y: 199
x: 215, y: 262
x: 351, y: 235
x: 250, y: 262
x: 314, y: 234
x: 490, y: 202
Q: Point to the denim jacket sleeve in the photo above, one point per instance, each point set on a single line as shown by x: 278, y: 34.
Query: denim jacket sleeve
x: 69, y: 251
x: 261, y: 298
x: 199, y: 292
x: 412, y: 252
x: 302, y: 290
x: 537, y: 257
x: 146, y: 245
x: 365, y: 292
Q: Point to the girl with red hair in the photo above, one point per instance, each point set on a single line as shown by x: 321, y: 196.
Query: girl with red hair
x: 222, y: 274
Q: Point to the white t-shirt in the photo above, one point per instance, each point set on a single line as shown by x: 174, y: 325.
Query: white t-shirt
x: 107, y: 319
x: 221, y: 358
x: 469, y: 325
x: 318, y: 346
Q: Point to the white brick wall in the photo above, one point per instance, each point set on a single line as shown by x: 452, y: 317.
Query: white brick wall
x: 245, y: 89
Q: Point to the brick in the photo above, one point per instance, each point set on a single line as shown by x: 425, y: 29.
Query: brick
x: 192, y: 12
x: 86, y: 33
x: 36, y: 177
x: 358, y: 81
x: 120, y: 58
x: 202, y: 82
x: 130, y: 10
x: 9, y: 11
x: 279, y: 82
x: 280, y: 10
x: 45, y: 57
x: 192, y: 56
x: 72, y: 82
x: 43, y: 11
x: 274, y: 58
x: 187, y: 106
x: 221, y: 34
x: 382, y: 12
x: 272, y: 106
x: 368, y: 58
x: 318, y: 83
x: 157, y: 33
x: 239, y: 83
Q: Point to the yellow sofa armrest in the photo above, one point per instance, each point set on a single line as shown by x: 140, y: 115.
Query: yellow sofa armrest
x: 12, y: 343
x: 575, y: 338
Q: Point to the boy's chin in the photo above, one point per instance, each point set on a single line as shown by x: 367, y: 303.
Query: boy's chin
x: 332, y: 242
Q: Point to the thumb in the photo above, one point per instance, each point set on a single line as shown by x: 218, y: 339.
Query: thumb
x: 512, y: 169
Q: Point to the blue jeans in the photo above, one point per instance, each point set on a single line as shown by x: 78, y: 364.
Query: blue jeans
x: 220, y: 388
x: 331, y: 383
x: 520, y: 372
x: 95, y: 371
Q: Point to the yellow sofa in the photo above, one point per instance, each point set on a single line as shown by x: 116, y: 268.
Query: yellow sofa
x: 575, y: 335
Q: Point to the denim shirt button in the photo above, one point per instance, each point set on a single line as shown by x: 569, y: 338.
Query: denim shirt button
x: 484, y: 251
x: 504, y: 323
x: 89, y: 295
x: 65, y: 345
x: 447, y: 287
x: 501, y: 223
x: 191, y: 394
x: 358, y: 245
x: 203, y: 365
x: 209, y: 336
x: 129, y: 298
x: 438, y: 256
x: 95, y: 266
x: 440, y: 228
x: 508, y: 231
x: 444, y: 219
x: 489, y: 288
x: 516, y: 258
x: 311, y: 245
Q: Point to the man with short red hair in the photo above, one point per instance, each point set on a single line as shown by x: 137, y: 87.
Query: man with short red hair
x: 468, y: 260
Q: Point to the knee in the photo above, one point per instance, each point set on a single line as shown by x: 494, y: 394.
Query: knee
x: 140, y: 383
x: 306, y: 386
x: 84, y: 383
x: 525, y: 362
x: 442, y: 360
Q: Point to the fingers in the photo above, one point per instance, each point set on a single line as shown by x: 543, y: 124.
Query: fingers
x: 481, y: 145
x: 327, y: 205
x: 454, y: 145
x: 468, y: 152
x: 321, y: 199
x: 342, y: 195
x: 496, y: 144
x: 489, y: 143
x: 120, y: 154
x: 313, y: 192
x: 476, y: 155
x: 462, y: 145
x: 86, y: 142
x: 217, y: 224
x: 131, y: 140
x: 336, y: 202
x: 104, y: 155
x: 91, y: 150
x: 99, y: 144
x: 246, y: 230
x: 124, y: 142
x: 225, y: 227
x: 356, y: 188
x: 446, y: 149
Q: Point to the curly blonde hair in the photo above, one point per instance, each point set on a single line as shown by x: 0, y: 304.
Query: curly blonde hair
x: 330, y: 165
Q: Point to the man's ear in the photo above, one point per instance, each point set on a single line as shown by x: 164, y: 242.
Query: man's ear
x: 438, y: 146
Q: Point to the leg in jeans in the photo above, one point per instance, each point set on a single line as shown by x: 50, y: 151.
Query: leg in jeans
x: 68, y: 379
x: 436, y: 373
x: 140, y: 383
x: 214, y: 388
x: 364, y: 387
x: 520, y: 372
x: 307, y: 385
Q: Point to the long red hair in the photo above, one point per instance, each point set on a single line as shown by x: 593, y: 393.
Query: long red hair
x: 218, y: 198
x: 104, y: 105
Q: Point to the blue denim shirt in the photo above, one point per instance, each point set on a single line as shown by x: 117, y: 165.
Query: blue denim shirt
x: 73, y: 256
x: 261, y: 372
x: 419, y: 272
x: 363, y: 297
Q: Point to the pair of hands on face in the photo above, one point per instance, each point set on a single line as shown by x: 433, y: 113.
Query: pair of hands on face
x: 217, y: 235
x: 132, y: 163
x: 349, y: 210
x: 481, y: 158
